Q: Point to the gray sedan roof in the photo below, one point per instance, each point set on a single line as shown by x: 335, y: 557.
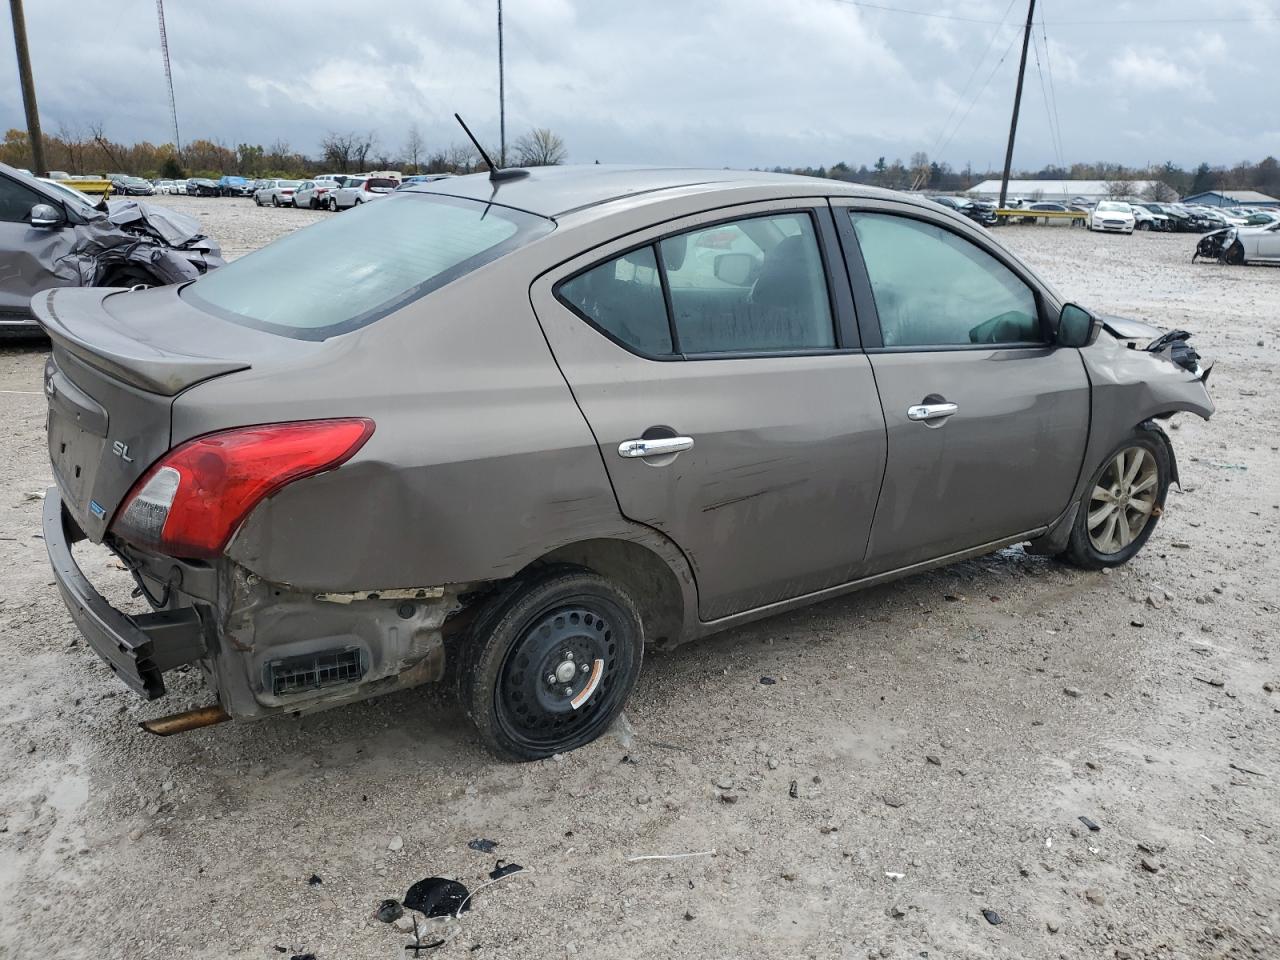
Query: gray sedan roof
x: 556, y: 191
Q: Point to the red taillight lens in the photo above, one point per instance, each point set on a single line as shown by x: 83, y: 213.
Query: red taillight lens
x: 192, y: 500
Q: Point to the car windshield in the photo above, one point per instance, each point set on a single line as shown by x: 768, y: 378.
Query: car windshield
x: 287, y: 183
x: 348, y: 272
x: 1114, y: 206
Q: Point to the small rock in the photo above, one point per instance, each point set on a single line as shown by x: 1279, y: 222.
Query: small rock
x: 935, y: 760
x: 389, y: 911
x: 1053, y: 926
x: 644, y: 800
x: 558, y: 757
x: 395, y: 844
x: 993, y: 918
x: 789, y: 877
x: 166, y: 786
x: 728, y: 798
x: 689, y: 914
x: 725, y: 783
x: 768, y: 681
x: 1093, y: 765
x: 1073, y: 692
x: 1150, y: 867
x: 891, y: 801
x: 896, y: 912
x: 1180, y: 545
x: 1135, y: 622
x: 1151, y: 846
x: 1095, y: 896
x: 314, y: 880
x: 1152, y: 602
x: 771, y: 763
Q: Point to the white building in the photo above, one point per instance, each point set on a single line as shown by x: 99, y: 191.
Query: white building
x: 1060, y: 191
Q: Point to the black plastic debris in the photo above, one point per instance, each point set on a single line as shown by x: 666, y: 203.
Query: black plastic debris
x: 389, y: 911
x: 503, y: 869
x: 437, y: 897
x: 1093, y: 827
x: 303, y: 956
x: 484, y: 846
x: 794, y: 790
x: 993, y: 918
x: 314, y: 880
x: 768, y: 681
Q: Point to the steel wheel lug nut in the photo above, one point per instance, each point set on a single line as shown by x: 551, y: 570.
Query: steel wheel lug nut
x: 568, y: 690
x: 583, y: 668
x: 551, y: 679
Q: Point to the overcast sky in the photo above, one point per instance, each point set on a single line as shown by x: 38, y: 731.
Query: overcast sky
x: 711, y: 82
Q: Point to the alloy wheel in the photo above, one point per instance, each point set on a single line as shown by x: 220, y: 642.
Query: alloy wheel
x: 1124, y: 500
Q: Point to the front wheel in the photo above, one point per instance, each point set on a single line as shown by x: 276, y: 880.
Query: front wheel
x: 1122, y: 503
x: 1234, y: 254
x: 333, y: 205
x: 550, y: 663
x: 257, y: 202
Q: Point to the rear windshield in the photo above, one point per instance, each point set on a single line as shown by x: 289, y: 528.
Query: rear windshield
x: 381, y: 182
x: 349, y: 271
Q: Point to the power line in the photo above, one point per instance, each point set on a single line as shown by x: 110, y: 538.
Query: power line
x: 1044, y: 95
x: 1053, y: 94
x: 972, y: 73
x: 885, y: 8
x: 977, y: 96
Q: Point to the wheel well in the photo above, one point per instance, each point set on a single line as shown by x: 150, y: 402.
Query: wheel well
x: 642, y: 573
x: 1152, y: 427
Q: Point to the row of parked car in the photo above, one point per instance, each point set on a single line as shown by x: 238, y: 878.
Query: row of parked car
x: 333, y: 191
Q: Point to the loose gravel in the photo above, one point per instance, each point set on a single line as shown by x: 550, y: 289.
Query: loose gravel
x: 911, y: 785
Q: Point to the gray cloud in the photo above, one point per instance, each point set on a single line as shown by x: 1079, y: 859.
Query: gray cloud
x: 715, y: 82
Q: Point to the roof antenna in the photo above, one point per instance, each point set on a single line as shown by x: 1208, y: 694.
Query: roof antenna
x: 496, y: 174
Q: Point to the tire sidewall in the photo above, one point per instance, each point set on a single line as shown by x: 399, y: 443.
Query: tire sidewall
x: 501, y: 628
x: 1081, y: 549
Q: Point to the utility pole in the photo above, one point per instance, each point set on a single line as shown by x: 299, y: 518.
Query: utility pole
x: 168, y: 77
x: 1017, y: 103
x: 502, y: 99
x: 28, y: 89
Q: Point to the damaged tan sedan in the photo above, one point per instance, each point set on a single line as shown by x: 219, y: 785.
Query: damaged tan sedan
x: 513, y: 430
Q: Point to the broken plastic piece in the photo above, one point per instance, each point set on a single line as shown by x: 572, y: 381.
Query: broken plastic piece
x: 314, y: 880
x: 503, y: 869
x: 437, y: 897
x: 1093, y: 827
x: 389, y: 911
x: 484, y: 846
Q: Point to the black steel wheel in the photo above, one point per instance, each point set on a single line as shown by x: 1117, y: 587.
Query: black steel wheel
x: 550, y: 663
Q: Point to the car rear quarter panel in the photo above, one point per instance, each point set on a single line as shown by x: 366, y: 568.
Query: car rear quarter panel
x: 480, y: 464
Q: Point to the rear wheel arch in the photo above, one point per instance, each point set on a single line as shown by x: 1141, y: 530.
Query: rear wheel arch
x: 642, y: 573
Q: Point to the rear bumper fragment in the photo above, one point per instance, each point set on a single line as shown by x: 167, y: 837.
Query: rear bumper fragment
x: 138, y: 648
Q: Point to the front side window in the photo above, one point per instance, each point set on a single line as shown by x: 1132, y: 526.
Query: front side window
x: 17, y: 200
x: 935, y: 288
x: 347, y: 272
x: 748, y: 286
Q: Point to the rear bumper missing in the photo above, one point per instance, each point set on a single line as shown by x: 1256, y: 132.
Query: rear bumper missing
x: 138, y: 648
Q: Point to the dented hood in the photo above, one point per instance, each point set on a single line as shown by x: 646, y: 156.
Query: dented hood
x: 169, y: 226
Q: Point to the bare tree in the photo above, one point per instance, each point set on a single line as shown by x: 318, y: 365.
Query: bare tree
x: 338, y: 150
x: 919, y: 169
x: 364, y: 145
x: 1160, y: 192
x: 540, y: 148
x: 460, y: 158
x: 414, y: 146
x: 1119, y: 189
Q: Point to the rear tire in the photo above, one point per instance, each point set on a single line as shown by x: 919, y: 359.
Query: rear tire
x: 560, y: 637
x: 1122, y: 502
x: 275, y: 201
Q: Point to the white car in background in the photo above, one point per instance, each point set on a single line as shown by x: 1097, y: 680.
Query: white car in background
x: 278, y: 193
x: 311, y: 194
x: 1112, y: 216
x: 357, y: 190
x: 164, y: 186
x: 1150, y: 220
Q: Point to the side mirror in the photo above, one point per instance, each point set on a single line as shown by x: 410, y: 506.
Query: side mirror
x: 1077, y: 327
x: 46, y: 215
x: 735, y: 269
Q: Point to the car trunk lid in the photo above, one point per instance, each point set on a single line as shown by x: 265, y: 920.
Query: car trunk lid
x: 119, y: 359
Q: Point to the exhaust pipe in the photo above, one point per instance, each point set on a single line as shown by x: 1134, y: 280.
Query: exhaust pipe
x: 187, y: 720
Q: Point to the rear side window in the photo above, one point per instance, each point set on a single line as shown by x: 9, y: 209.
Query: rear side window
x: 935, y: 288
x: 756, y: 285
x: 623, y: 298
x: 343, y: 273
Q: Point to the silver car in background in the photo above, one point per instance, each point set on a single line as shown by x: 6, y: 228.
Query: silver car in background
x: 278, y: 193
x: 515, y: 430
x: 357, y: 190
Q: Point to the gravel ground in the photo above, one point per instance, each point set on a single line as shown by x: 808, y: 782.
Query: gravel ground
x: 924, y: 756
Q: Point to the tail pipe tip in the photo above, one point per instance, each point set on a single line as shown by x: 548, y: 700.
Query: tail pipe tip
x: 187, y: 720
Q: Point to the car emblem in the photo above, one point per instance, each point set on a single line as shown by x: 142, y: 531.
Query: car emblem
x: 121, y: 450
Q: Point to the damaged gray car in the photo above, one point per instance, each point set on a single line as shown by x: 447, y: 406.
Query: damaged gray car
x: 512, y: 431
x: 51, y: 235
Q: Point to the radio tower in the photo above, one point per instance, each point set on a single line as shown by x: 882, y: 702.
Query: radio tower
x: 168, y: 75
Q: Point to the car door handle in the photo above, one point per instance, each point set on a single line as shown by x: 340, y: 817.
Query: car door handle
x: 931, y: 411
x: 657, y: 447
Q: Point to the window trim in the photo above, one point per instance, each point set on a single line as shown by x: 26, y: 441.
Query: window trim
x: 868, y: 313
x: 840, y: 303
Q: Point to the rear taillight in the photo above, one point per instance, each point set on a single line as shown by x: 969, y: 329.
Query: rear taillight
x: 191, y: 501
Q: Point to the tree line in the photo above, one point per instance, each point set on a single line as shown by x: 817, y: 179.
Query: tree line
x: 920, y: 173
x: 90, y: 151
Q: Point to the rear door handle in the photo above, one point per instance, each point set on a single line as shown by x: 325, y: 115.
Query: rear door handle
x: 931, y: 411
x: 657, y: 447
